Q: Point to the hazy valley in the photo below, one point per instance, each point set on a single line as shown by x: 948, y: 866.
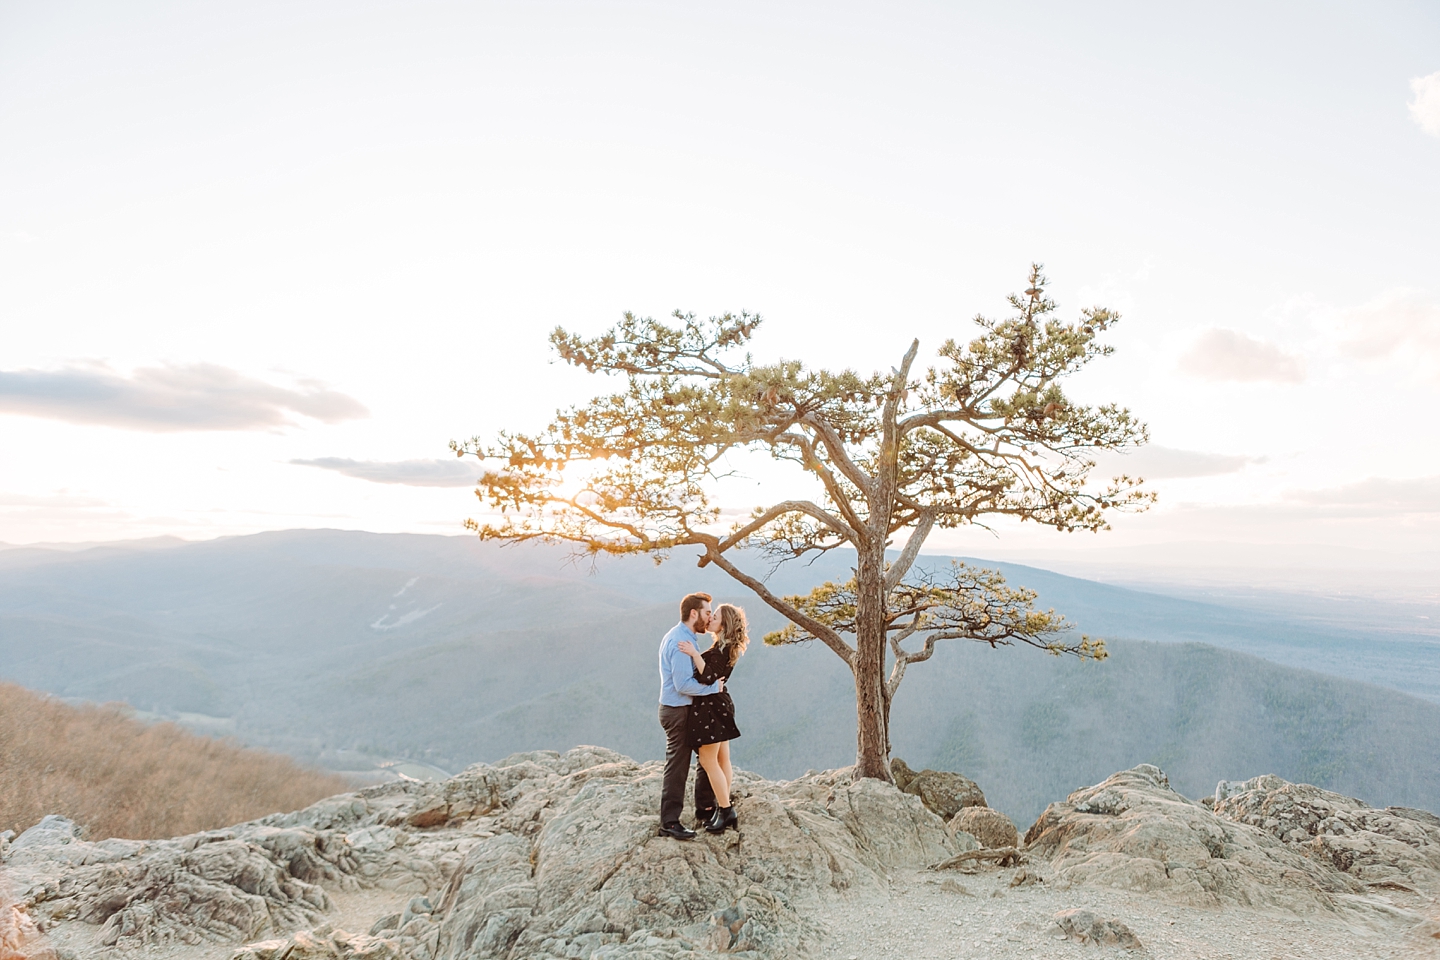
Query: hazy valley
x: 348, y: 649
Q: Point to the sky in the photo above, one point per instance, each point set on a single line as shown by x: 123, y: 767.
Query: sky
x: 260, y: 263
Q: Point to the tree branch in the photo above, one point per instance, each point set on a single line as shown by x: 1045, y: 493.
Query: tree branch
x: 812, y: 626
x: 779, y: 510
x: 1005, y: 855
x: 835, y: 447
x: 901, y: 566
x: 812, y: 462
x: 897, y: 393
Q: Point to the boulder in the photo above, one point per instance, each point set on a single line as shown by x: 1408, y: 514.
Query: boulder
x: 943, y: 793
x: 991, y: 828
x: 1134, y: 832
x: 1086, y: 927
x: 595, y: 880
x: 1394, y: 847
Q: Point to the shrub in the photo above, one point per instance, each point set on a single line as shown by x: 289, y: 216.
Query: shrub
x: 120, y: 777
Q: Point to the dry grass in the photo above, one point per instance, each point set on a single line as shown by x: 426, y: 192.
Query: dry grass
x: 123, y: 778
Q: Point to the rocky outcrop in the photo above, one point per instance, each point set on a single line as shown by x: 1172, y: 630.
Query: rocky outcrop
x: 224, y: 885
x: 548, y: 855
x: 541, y: 855
x: 1391, y: 847
x: 943, y: 793
x: 1134, y: 832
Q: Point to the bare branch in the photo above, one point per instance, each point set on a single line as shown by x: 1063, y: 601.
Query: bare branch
x: 835, y: 448
x: 779, y: 510
x: 812, y: 462
x: 1006, y: 856
x: 902, y: 563
x: 812, y: 626
x: 897, y: 393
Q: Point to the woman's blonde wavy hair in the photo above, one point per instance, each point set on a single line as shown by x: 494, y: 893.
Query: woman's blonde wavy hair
x: 733, y: 636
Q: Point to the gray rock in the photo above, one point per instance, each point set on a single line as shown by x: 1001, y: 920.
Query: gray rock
x: 944, y: 793
x: 549, y: 856
x: 44, y: 839
x: 417, y: 907
x: 991, y: 828
x: 1395, y: 847
x: 268, y: 876
x: 543, y: 855
x: 1086, y: 927
x: 1026, y: 878
x: 595, y: 868
x: 962, y: 842
x: 1135, y: 833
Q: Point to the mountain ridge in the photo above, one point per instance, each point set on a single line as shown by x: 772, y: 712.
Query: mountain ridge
x: 519, y: 649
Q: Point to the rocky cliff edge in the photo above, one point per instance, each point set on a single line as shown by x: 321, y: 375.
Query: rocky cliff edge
x: 549, y: 855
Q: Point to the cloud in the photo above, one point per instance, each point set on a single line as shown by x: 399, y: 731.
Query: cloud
x: 1399, y: 318
x: 1377, y: 496
x: 29, y: 517
x: 60, y: 500
x: 1230, y: 355
x: 1425, y: 108
x: 197, y: 396
x: 448, y: 472
x: 1154, y: 462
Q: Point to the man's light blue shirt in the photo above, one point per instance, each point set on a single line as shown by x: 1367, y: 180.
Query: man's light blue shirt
x: 677, y: 671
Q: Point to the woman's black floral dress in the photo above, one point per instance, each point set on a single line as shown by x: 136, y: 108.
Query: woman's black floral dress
x: 712, y: 718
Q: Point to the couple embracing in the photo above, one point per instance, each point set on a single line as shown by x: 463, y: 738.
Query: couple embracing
x: 698, y: 715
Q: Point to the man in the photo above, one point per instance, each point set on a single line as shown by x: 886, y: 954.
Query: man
x: 678, y: 687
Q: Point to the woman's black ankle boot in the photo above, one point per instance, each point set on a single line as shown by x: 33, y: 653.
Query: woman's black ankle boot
x: 724, y: 819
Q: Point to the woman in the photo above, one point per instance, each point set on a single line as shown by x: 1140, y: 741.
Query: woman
x: 712, y: 718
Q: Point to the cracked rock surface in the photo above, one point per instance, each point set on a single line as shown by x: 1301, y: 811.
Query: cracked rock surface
x: 542, y: 855
x: 547, y: 855
x: 1392, y: 847
x: 1134, y: 832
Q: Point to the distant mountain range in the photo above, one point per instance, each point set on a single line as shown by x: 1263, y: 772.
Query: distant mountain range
x: 345, y: 649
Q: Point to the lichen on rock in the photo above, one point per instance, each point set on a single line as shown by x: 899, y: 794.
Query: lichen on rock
x: 1395, y: 846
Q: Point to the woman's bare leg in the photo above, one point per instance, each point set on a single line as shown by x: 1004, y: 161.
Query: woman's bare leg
x: 725, y: 765
x: 710, y: 760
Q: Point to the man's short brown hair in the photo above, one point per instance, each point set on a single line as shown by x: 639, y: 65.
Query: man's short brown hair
x: 691, y: 603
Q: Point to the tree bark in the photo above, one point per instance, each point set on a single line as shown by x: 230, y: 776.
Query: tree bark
x: 872, y: 710
x: 872, y: 736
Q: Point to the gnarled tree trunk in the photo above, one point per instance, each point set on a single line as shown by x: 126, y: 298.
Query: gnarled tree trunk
x: 872, y: 734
